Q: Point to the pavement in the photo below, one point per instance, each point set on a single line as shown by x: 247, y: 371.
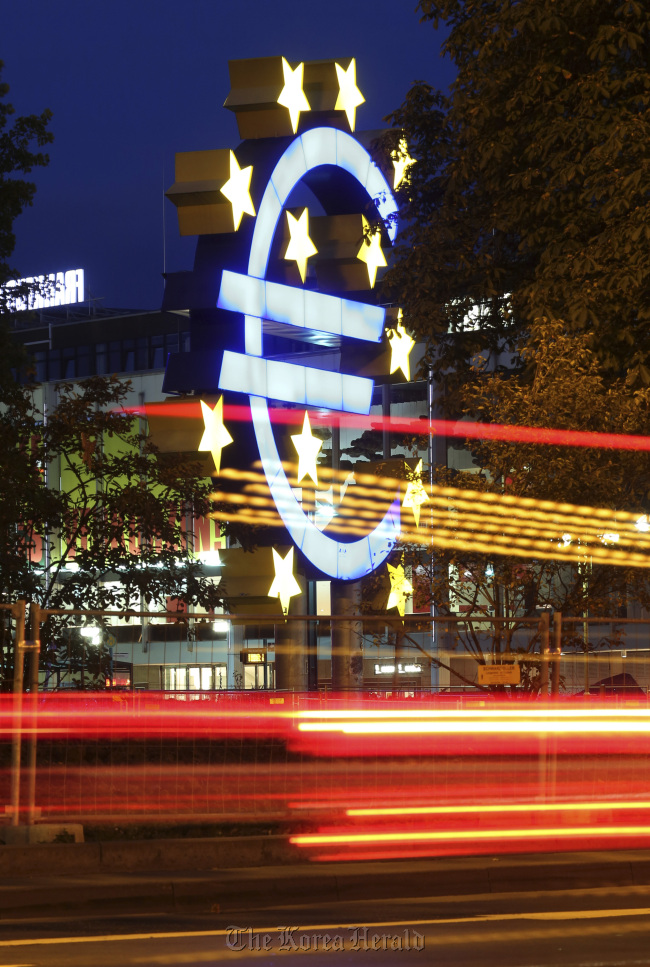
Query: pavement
x: 219, y: 876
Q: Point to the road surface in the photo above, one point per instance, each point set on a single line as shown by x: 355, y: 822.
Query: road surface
x: 572, y: 928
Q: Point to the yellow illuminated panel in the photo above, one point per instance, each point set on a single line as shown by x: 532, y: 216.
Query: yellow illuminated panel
x: 237, y: 191
x: 215, y: 435
x: 202, y: 209
x: 284, y: 584
x: 307, y: 446
x: 300, y: 246
x: 371, y: 253
x: 293, y: 96
x: 349, y: 97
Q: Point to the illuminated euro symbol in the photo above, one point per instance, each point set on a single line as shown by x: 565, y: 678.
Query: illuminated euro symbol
x: 264, y: 379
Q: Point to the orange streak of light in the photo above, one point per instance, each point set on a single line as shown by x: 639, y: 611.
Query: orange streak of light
x: 479, y: 713
x: 444, y: 836
x: 493, y: 808
x: 470, y: 727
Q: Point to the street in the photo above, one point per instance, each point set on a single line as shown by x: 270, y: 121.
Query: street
x: 572, y: 928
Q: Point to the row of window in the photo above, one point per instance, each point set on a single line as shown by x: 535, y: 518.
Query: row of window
x: 197, y: 678
x: 116, y: 356
x: 209, y: 678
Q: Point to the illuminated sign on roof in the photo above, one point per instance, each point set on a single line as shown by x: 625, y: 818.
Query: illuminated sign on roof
x: 57, y: 289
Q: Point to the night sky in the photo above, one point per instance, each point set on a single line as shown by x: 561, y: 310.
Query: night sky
x: 130, y: 82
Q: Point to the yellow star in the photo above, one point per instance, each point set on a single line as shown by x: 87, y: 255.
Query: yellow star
x: 401, y: 345
x: 307, y: 446
x: 401, y: 162
x: 415, y: 494
x: 301, y: 246
x: 292, y: 96
x: 215, y: 435
x: 370, y: 251
x: 400, y: 588
x: 349, y: 97
x: 238, y: 190
x: 284, y: 584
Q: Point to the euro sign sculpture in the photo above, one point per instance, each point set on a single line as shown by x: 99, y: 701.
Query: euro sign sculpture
x: 266, y: 379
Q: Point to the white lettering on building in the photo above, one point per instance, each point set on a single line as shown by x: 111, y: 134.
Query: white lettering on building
x: 57, y: 289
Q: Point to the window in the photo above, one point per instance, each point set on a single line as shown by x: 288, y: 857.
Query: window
x: 114, y: 357
x: 196, y: 678
x: 100, y: 358
x: 40, y: 363
x: 84, y: 361
x: 157, y: 352
x: 176, y: 679
x: 129, y: 355
x: 69, y: 366
x: 258, y: 676
x: 141, y: 353
x: 54, y: 364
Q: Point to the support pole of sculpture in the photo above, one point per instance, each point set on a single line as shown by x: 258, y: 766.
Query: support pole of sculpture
x: 347, y: 636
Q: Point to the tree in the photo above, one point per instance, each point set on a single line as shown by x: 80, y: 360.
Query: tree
x: 92, y: 516
x: 580, y: 572
x: 530, y: 195
x: 18, y: 156
x: 524, y: 267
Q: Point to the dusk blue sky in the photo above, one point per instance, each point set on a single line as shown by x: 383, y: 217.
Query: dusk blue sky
x: 130, y: 82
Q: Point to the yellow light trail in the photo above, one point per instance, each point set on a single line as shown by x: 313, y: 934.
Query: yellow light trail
x: 320, y: 839
x: 479, y: 713
x: 494, y: 808
x: 463, y: 519
x: 470, y: 727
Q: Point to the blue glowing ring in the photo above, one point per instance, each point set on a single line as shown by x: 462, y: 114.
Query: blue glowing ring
x: 319, y: 146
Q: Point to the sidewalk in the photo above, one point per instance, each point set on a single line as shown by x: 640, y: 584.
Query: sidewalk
x: 188, y: 887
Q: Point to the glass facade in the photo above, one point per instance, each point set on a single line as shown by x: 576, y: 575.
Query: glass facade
x: 116, y: 356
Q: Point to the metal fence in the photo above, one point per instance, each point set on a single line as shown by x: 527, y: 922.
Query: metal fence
x: 193, y: 654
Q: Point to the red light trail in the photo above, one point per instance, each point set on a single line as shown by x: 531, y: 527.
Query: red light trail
x: 430, y: 776
x: 414, y: 427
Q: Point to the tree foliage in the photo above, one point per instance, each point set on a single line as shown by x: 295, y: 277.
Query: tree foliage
x: 565, y: 389
x: 92, y: 516
x: 21, y: 141
x: 524, y: 264
x: 530, y: 196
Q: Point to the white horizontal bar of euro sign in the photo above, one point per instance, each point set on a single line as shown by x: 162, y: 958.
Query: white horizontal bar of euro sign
x: 291, y: 383
x: 253, y: 335
x: 301, y: 308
